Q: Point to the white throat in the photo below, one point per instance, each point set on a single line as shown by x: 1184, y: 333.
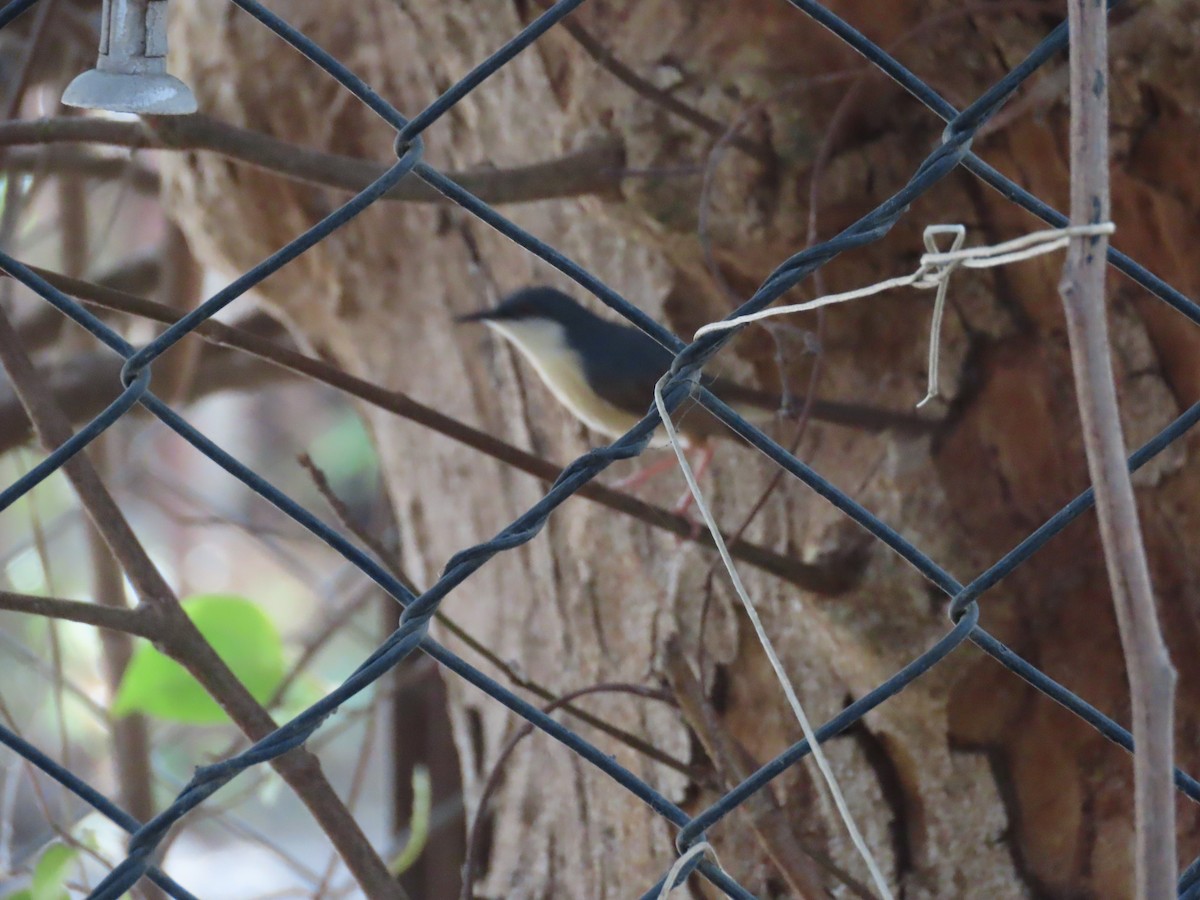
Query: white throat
x: 544, y: 343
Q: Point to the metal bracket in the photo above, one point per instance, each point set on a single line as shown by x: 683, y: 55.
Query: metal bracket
x: 131, y: 71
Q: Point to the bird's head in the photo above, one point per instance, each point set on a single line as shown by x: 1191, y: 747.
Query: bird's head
x: 545, y: 325
x: 530, y: 306
x: 542, y: 322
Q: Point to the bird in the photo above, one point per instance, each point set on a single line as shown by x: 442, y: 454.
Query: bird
x: 605, y: 373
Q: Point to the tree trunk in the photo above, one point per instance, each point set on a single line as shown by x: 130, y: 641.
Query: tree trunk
x: 969, y: 782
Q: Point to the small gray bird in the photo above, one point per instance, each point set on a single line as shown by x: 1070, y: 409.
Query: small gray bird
x: 605, y: 373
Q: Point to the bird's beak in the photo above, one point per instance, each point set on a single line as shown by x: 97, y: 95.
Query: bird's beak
x: 482, y: 315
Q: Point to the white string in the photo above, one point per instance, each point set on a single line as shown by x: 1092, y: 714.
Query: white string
x: 687, y: 856
x: 934, y: 273
x: 818, y: 754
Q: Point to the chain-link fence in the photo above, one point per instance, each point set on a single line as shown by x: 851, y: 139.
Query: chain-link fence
x: 412, y: 634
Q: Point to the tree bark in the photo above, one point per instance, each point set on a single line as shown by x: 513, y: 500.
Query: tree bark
x: 969, y: 777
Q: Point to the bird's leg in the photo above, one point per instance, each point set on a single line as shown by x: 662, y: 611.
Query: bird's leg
x: 703, y: 454
x: 646, y: 473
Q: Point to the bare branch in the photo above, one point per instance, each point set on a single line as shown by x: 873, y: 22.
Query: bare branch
x: 387, y: 559
x: 136, y: 275
x: 183, y: 288
x: 67, y: 160
x: 825, y: 578
x: 668, y: 101
x: 129, y: 621
x: 41, y: 326
x: 179, y: 637
x: 588, y: 171
x: 490, y: 786
x: 346, y: 519
x: 796, y: 860
x: 86, y: 383
x: 130, y: 735
x: 54, y: 429
x: 33, y: 46
x: 1151, y: 676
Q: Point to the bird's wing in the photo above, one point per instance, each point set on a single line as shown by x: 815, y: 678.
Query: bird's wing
x: 625, y: 375
x: 628, y: 391
x: 626, y: 379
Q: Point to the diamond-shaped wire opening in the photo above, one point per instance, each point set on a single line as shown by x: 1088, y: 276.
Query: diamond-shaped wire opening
x: 953, y: 152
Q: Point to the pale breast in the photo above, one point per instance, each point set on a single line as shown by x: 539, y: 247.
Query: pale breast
x: 544, y: 344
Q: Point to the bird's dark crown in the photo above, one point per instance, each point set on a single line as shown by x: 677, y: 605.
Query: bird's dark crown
x: 534, y: 303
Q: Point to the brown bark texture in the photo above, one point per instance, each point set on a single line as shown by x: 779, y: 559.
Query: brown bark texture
x: 969, y: 783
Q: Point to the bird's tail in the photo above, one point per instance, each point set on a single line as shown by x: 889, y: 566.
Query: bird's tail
x: 759, y: 405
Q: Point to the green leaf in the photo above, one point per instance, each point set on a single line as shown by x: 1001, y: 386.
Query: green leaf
x: 345, y: 449
x: 241, y: 634
x: 49, y: 881
x: 50, y: 873
x: 418, y: 825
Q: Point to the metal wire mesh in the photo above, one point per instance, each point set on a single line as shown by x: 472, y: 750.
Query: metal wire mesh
x: 412, y: 633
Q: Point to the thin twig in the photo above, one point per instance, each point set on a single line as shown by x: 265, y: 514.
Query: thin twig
x: 357, y: 780
x: 15, y: 201
x: 588, y: 171
x: 787, y: 402
x: 81, y: 163
x: 493, y: 780
x: 796, y: 859
x: 33, y: 46
x: 182, y: 286
x: 820, y: 579
x: 387, y: 560
x: 1128, y: 37
x: 346, y: 518
x: 87, y: 382
x: 176, y: 633
x: 113, y: 618
x: 1151, y: 676
x: 130, y: 734
x: 329, y: 628
x: 668, y: 101
x: 54, y: 638
x: 64, y: 832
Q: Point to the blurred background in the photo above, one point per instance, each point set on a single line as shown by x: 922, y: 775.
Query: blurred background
x: 96, y: 215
